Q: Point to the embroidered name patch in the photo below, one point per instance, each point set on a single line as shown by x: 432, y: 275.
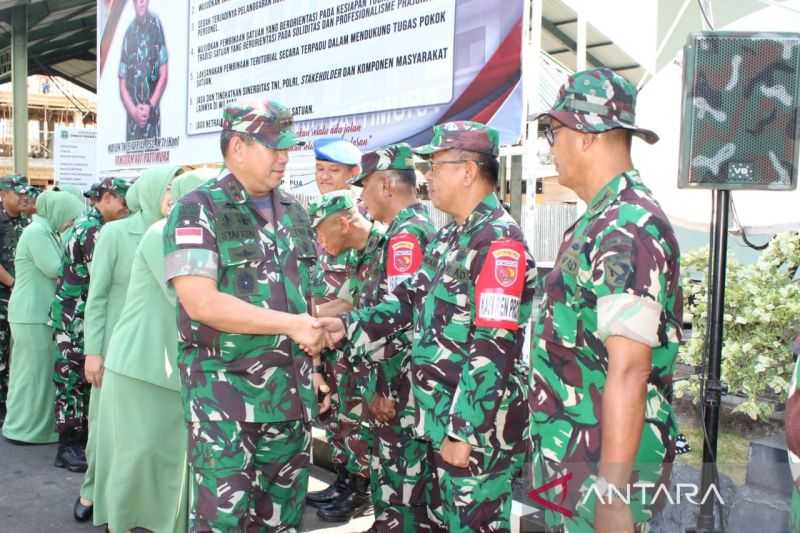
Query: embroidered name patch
x: 404, y: 259
x: 500, y: 284
x: 188, y: 236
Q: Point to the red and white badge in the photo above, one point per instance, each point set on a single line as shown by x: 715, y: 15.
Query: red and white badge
x: 404, y: 259
x: 499, y: 288
x: 188, y: 236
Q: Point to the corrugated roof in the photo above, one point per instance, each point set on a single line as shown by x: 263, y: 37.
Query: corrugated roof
x: 62, y: 39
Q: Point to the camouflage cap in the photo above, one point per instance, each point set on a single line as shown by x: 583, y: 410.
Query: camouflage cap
x: 18, y: 184
x: 270, y: 123
x: 392, y: 157
x: 91, y: 192
x: 463, y: 135
x: 596, y: 101
x: 30, y: 190
x: 329, y: 204
x: 118, y: 186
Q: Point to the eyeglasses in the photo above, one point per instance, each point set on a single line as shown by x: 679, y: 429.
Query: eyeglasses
x: 550, y: 134
x: 431, y: 167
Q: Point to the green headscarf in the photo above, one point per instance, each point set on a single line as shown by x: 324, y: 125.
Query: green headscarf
x: 58, y: 208
x: 132, y: 198
x: 188, y: 182
x: 150, y: 190
x: 73, y: 190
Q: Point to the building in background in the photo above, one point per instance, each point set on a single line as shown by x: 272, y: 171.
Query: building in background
x: 52, y: 102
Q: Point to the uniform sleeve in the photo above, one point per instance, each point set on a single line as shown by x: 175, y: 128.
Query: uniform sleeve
x: 101, y: 276
x: 190, y: 242
x: 125, y: 56
x: 629, y: 270
x: 792, y: 421
x: 501, y: 303
x: 163, y: 56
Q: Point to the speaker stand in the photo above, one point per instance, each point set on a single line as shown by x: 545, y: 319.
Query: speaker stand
x: 712, y: 392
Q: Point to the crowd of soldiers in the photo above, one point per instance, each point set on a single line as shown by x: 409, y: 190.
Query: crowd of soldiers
x: 180, y: 339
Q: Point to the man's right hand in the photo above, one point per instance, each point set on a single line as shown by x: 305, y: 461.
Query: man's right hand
x: 93, y: 370
x: 308, y: 336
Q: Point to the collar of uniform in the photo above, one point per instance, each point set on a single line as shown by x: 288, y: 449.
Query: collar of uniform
x: 404, y: 215
x: 234, y: 189
x: 94, y: 213
x: 483, y: 211
x: 611, y: 191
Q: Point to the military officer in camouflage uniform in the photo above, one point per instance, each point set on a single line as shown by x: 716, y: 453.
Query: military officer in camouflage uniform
x: 792, y: 427
x: 66, y: 319
x: 143, y: 68
x: 467, y: 309
x: 607, y: 334
x: 341, y: 229
x: 336, y: 162
x: 399, y: 466
x: 12, y: 222
x: 240, y: 253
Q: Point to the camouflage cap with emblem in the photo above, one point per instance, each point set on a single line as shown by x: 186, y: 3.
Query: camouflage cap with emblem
x: 15, y: 183
x: 269, y: 123
x: 462, y: 135
x: 596, y: 101
x: 117, y: 186
x: 329, y: 204
x: 392, y: 157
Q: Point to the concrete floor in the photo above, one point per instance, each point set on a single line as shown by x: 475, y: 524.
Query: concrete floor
x: 36, y: 497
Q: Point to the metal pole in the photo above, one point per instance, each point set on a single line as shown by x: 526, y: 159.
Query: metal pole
x: 581, y: 51
x: 713, y: 385
x: 19, y: 82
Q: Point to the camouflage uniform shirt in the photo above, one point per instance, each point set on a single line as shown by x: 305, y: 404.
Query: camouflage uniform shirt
x: 616, y: 273
x: 10, y: 231
x: 467, y: 368
x: 216, y: 232
x: 410, y: 232
x: 66, y: 312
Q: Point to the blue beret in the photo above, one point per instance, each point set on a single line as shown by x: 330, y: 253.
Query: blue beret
x: 336, y: 150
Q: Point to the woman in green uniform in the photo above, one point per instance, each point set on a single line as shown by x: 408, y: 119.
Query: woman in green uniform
x: 140, y: 471
x: 37, y: 263
x: 109, y: 274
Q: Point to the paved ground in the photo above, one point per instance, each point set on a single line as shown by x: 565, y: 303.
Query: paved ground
x: 36, y: 497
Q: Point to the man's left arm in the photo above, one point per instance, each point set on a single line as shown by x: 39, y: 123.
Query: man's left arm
x: 629, y: 276
x: 502, y: 308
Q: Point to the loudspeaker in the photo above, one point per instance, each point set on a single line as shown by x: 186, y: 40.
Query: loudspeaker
x: 740, y: 127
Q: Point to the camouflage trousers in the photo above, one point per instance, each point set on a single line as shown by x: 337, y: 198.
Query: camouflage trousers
x: 347, y: 434
x: 72, y: 390
x: 475, y: 498
x: 248, y: 476
x: 5, y: 351
x: 400, y: 471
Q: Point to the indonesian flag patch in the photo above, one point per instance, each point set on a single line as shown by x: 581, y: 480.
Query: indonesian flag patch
x: 404, y: 259
x: 188, y: 236
x: 500, y: 284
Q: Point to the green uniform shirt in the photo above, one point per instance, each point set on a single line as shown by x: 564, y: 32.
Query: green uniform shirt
x: 617, y: 273
x: 216, y: 232
x: 10, y: 232
x: 467, y: 309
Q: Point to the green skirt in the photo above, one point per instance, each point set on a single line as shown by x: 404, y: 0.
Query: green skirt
x: 87, y: 487
x: 140, y: 472
x: 31, y: 392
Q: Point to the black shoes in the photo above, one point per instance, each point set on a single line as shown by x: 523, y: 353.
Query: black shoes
x: 336, y: 489
x: 348, y: 506
x: 81, y: 512
x: 71, y: 457
x: 71, y: 453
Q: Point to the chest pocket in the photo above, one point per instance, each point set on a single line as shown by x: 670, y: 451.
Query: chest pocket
x: 241, y: 252
x: 451, y: 308
x: 304, y: 243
